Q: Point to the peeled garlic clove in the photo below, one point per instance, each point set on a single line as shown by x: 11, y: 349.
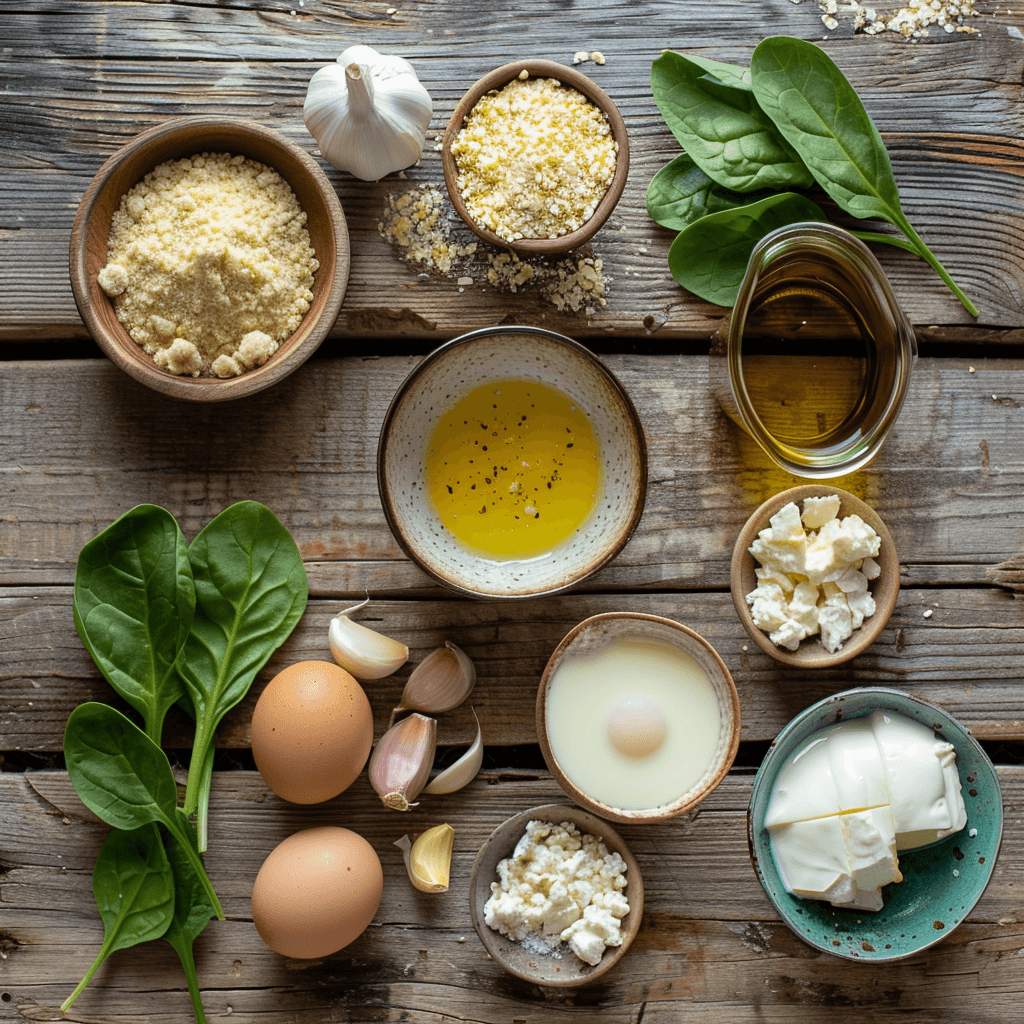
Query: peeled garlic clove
x: 362, y: 651
x: 440, y: 682
x: 429, y: 859
x: 464, y: 771
x: 401, y: 761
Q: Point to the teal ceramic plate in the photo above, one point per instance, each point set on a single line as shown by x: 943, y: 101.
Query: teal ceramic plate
x: 941, y: 883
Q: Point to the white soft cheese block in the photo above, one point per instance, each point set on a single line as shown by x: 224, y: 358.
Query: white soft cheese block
x: 804, y: 788
x: 922, y: 779
x: 856, y: 766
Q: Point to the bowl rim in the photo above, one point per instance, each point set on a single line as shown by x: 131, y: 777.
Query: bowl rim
x: 652, y: 815
x: 539, y: 68
x: 761, y: 775
x: 587, y: 822
x: 87, y: 293
x: 384, y: 489
x: 816, y: 657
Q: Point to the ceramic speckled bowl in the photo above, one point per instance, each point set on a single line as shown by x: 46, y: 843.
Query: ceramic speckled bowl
x: 941, y: 883
x: 438, y: 383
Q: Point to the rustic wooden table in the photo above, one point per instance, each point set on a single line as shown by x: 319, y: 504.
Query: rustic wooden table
x: 82, y: 443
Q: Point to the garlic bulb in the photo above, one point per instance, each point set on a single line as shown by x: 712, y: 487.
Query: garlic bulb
x: 464, y: 771
x: 400, y: 763
x: 362, y: 651
x: 428, y: 860
x: 368, y: 112
x: 440, y: 682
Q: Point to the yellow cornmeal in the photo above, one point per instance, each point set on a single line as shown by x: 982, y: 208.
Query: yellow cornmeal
x: 513, y: 468
x: 210, y: 264
x: 534, y: 159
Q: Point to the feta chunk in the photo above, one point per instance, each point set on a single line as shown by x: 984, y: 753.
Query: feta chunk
x: 819, y: 510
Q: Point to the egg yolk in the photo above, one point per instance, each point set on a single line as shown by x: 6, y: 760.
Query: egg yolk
x: 636, y: 725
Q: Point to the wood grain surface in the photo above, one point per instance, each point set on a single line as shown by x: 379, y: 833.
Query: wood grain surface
x: 81, y: 442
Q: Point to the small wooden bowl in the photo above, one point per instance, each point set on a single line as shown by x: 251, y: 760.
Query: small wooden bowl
x: 568, y: 971
x: 174, y: 140
x: 500, y: 77
x: 594, y: 633
x: 811, y: 653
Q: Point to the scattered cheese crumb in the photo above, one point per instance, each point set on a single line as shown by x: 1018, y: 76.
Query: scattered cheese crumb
x: 927, y: 613
x: 597, y: 57
x: 912, y: 22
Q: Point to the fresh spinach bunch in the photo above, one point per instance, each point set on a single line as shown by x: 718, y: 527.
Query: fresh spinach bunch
x: 788, y: 120
x: 167, y: 623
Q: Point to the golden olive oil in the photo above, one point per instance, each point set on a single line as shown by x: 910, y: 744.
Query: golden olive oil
x: 818, y: 356
x: 513, y: 468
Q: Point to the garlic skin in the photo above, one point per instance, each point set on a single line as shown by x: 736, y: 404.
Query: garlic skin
x: 401, y: 761
x: 440, y: 682
x: 428, y: 860
x: 369, y: 113
x: 464, y: 771
x: 362, y: 651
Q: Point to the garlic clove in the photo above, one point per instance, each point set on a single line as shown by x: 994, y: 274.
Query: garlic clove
x: 362, y: 651
x: 428, y: 860
x: 464, y: 771
x: 440, y: 682
x: 401, y: 761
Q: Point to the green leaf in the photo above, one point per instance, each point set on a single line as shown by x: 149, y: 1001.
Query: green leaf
x: 710, y: 257
x: 735, y: 75
x: 251, y: 591
x: 123, y: 777
x: 681, y: 193
x: 134, y: 889
x: 817, y: 110
x: 192, y: 913
x: 723, y: 129
x: 133, y: 607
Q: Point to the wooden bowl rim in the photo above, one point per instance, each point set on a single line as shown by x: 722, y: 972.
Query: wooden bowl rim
x: 539, y: 68
x: 200, y: 134
x: 499, y: 845
x: 811, y: 653
x: 650, y: 815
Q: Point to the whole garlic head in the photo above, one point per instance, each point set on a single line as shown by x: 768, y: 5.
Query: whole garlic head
x: 369, y: 113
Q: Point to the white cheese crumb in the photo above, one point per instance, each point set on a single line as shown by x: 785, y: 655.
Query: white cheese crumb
x: 927, y: 613
x: 559, y: 885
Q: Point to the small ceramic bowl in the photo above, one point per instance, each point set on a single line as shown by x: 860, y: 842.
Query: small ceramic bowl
x: 499, y: 78
x: 565, y: 970
x: 436, y: 385
x: 591, y: 636
x: 812, y: 653
x: 941, y: 883
x: 173, y: 140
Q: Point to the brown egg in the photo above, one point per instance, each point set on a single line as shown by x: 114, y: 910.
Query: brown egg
x: 316, y: 892
x: 312, y: 730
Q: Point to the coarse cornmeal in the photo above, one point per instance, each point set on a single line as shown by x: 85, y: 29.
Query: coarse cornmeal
x: 210, y: 264
x: 534, y: 159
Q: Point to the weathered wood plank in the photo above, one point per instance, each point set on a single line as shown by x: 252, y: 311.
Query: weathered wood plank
x: 711, y: 946
x: 98, y: 74
x: 967, y: 657
x: 83, y: 443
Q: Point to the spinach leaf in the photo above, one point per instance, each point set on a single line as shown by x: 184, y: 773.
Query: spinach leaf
x: 123, y: 777
x: 709, y: 258
x: 681, y: 193
x: 817, y: 110
x: 723, y: 129
x: 735, y: 75
x: 133, y: 607
x: 134, y: 889
x: 192, y: 913
x: 251, y: 591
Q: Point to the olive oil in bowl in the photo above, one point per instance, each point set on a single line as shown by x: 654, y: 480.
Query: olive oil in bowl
x: 513, y: 468
x: 815, y: 362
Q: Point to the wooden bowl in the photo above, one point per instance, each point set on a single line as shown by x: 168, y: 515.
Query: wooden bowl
x: 174, y: 140
x: 500, y: 77
x: 567, y: 970
x: 592, y: 714
x: 811, y: 653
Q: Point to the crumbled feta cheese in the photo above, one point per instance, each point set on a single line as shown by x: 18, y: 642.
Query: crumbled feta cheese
x: 560, y: 885
x: 813, y: 581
